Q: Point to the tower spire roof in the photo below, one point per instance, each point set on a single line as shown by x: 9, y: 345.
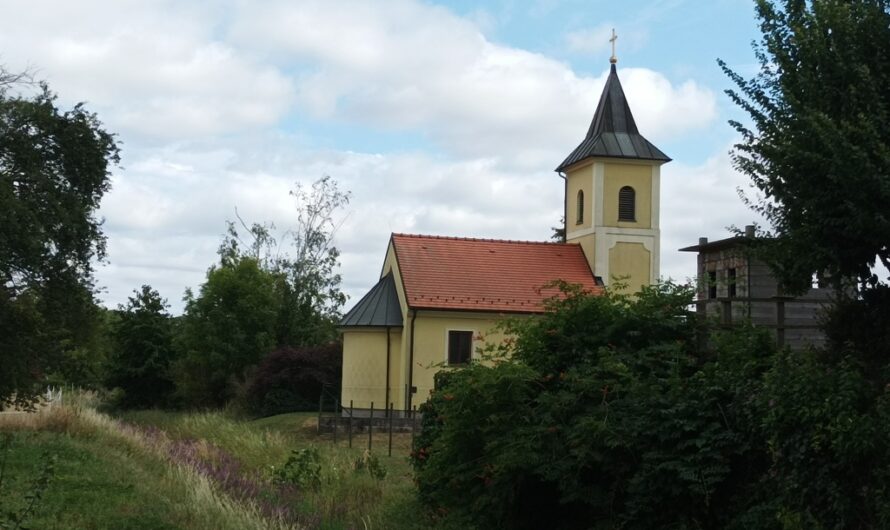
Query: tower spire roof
x: 613, y: 132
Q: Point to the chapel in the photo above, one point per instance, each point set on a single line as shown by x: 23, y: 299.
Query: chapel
x: 440, y: 298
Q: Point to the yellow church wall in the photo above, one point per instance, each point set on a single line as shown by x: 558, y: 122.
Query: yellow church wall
x: 391, y: 264
x: 431, y: 343
x: 579, y: 179
x: 364, y: 366
x: 399, y: 369
x: 637, y: 176
x: 633, y: 260
x: 588, y: 244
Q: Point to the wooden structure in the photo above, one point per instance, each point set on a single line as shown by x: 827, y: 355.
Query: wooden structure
x: 734, y: 287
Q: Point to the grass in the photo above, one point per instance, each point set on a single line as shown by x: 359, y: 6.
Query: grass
x: 345, y: 498
x: 154, y: 469
x: 107, y: 477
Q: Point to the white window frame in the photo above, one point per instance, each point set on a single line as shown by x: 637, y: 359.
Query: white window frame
x: 448, y: 345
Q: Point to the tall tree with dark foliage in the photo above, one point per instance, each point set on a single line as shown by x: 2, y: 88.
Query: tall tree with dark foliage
x: 817, y: 147
x: 54, y: 169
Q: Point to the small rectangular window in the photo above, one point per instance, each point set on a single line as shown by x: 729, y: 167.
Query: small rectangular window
x: 731, y: 282
x: 460, y: 347
x: 712, y: 284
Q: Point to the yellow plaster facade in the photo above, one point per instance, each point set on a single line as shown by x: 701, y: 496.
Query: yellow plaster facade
x: 580, y: 179
x: 431, y: 342
x: 603, y: 237
x: 638, y: 177
x: 365, y: 350
x: 634, y: 261
x: 364, y: 366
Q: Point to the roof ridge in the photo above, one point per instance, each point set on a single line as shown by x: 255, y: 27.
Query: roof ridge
x: 481, y: 239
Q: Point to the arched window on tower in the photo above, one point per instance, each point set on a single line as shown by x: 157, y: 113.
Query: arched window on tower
x: 627, y: 204
x: 579, y: 217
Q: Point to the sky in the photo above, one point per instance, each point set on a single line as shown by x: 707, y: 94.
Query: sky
x: 443, y: 118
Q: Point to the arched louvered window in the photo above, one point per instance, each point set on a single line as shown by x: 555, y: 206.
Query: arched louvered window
x: 579, y: 217
x: 627, y: 204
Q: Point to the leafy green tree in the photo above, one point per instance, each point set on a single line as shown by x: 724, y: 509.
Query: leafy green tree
x: 818, y: 150
x: 54, y: 170
x: 304, y: 259
x: 605, y: 414
x: 140, y: 364
x: 827, y: 424
x: 818, y: 146
x: 225, y: 331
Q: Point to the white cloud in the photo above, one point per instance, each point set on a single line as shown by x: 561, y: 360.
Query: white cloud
x: 699, y: 201
x: 408, y: 66
x: 198, y: 93
x: 149, y: 69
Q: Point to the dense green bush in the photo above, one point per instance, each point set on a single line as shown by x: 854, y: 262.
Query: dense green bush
x: 609, y: 413
x: 291, y: 379
x: 604, y: 415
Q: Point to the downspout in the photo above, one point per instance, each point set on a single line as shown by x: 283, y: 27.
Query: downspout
x: 411, y: 363
x: 387, y: 367
x: 565, y: 206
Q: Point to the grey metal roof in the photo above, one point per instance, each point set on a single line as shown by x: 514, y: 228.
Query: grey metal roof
x: 613, y: 131
x: 378, y: 308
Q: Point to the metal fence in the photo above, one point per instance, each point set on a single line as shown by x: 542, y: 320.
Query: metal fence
x: 345, y: 421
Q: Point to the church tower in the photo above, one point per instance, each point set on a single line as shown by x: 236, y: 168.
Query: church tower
x: 612, y: 193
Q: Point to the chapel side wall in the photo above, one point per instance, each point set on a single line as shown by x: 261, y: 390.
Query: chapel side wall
x: 400, y: 345
x: 364, y: 367
x: 431, y: 344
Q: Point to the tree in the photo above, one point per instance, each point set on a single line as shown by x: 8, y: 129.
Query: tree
x: 304, y: 259
x: 54, y: 170
x: 818, y: 145
x: 143, y: 351
x: 605, y: 414
x: 290, y: 379
x: 225, y: 331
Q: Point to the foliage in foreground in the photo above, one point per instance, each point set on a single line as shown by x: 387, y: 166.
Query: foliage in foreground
x: 54, y: 169
x: 818, y: 147
x: 609, y: 413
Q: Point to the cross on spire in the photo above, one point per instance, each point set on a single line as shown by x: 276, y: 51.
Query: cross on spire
x: 613, y: 59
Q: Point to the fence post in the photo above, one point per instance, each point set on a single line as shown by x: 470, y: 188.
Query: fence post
x: 370, y: 426
x: 390, y: 428
x: 320, y: 406
x: 350, y: 424
x: 336, y: 419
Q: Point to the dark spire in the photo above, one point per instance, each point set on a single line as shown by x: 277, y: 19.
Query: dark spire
x: 613, y: 132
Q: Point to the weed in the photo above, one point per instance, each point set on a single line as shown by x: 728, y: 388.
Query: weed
x: 370, y: 463
x: 303, y: 469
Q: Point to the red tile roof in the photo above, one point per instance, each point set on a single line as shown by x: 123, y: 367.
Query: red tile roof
x: 486, y: 274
